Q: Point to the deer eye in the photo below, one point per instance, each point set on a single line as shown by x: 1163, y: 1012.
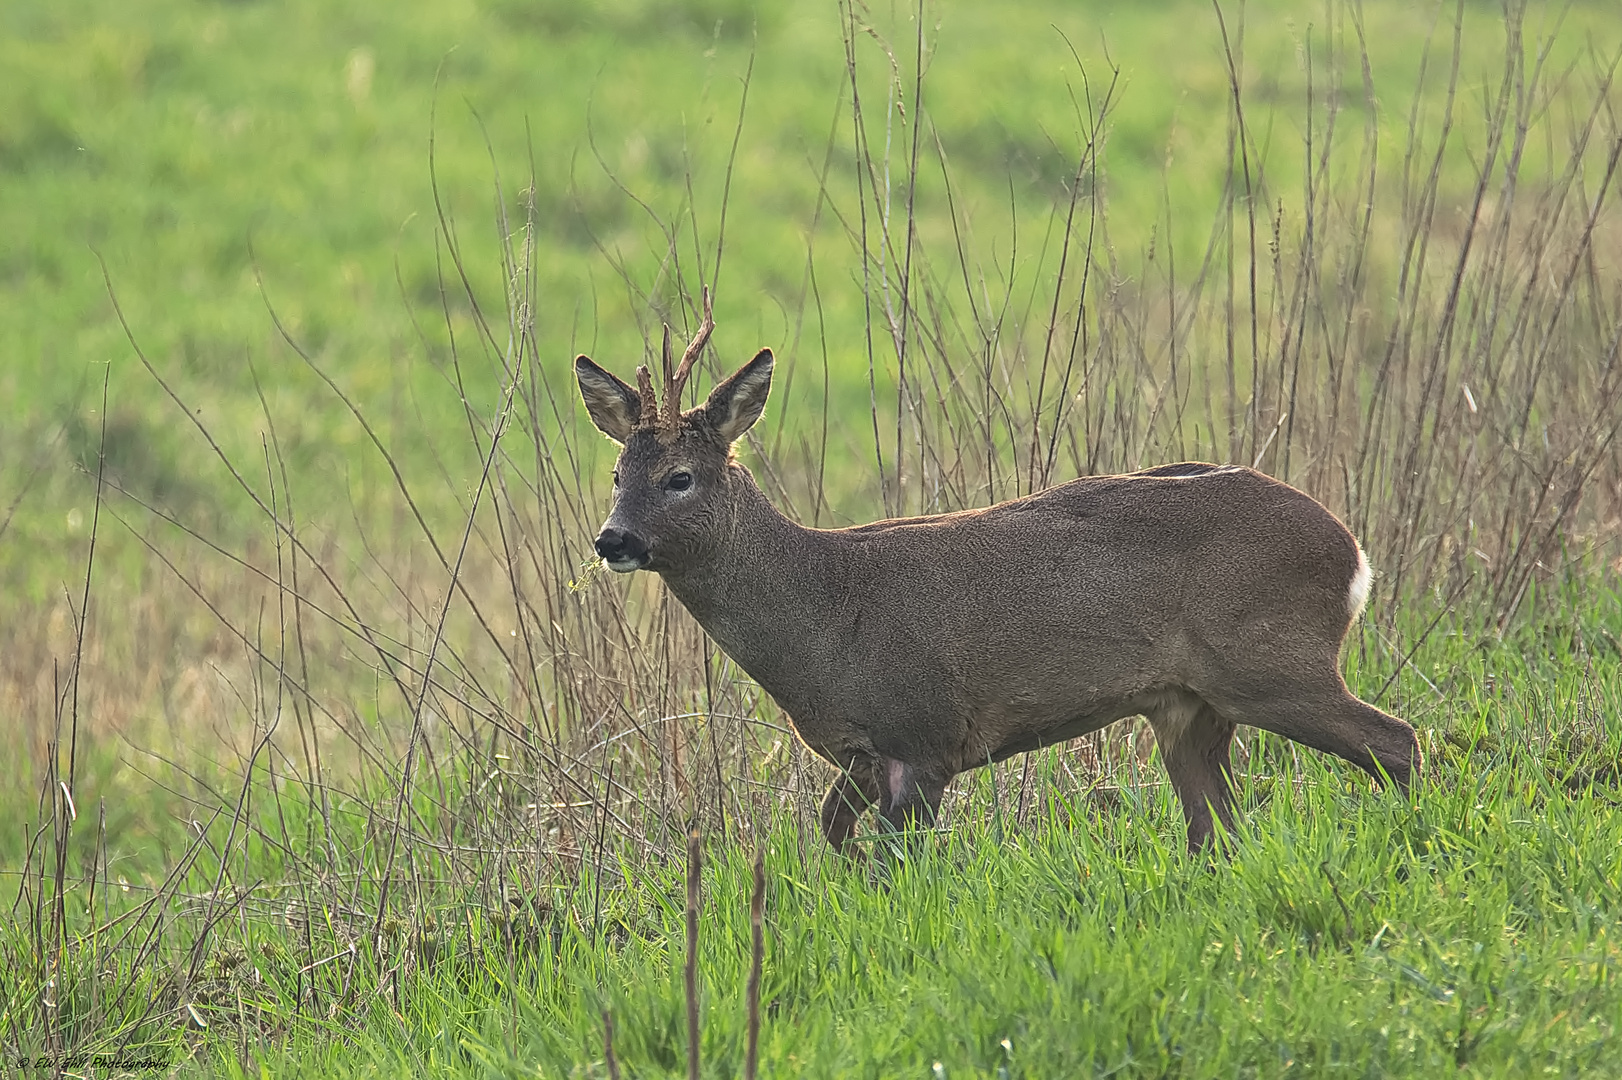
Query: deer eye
x: 679, y: 481
x: 616, y: 478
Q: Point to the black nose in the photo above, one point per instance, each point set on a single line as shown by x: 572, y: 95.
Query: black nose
x: 619, y: 546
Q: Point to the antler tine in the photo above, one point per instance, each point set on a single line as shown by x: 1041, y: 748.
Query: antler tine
x: 644, y: 388
x: 678, y: 382
x: 670, y: 385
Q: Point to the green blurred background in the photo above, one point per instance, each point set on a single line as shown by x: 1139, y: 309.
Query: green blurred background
x: 191, y: 145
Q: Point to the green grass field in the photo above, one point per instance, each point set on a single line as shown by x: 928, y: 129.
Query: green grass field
x: 332, y: 755
x: 1051, y: 928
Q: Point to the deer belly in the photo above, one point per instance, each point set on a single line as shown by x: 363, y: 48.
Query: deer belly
x: 1034, y: 714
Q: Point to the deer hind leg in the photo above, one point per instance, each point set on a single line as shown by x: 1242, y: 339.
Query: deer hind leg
x: 852, y: 792
x: 1195, y: 742
x: 1321, y: 713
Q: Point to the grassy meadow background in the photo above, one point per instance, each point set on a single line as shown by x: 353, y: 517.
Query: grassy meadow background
x: 331, y: 753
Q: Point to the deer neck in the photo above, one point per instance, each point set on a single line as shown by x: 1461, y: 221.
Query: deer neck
x: 767, y: 593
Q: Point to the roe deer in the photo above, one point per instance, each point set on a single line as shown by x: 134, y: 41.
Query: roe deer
x: 910, y: 650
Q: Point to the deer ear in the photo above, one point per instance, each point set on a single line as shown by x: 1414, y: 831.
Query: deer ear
x: 613, y: 405
x: 735, y: 405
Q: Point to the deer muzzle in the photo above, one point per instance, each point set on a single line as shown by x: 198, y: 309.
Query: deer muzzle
x: 621, y: 550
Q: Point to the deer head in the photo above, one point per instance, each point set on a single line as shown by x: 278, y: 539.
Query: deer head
x: 671, y: 482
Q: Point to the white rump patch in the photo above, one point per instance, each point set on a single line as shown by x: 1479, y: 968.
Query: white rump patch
x: 1358, y: 594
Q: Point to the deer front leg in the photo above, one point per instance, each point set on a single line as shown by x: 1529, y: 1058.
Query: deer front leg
x: 911, y: 796
x: 852, y: 792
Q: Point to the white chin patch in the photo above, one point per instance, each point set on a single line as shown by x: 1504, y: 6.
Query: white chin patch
x: 623, y: 567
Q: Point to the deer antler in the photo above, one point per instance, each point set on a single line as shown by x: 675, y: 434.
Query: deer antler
x: 676, y: 381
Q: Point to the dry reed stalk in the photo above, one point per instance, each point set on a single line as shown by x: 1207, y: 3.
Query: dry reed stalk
x: 608, y: 1046
x: 757, y: 956
x: 690, y: 974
